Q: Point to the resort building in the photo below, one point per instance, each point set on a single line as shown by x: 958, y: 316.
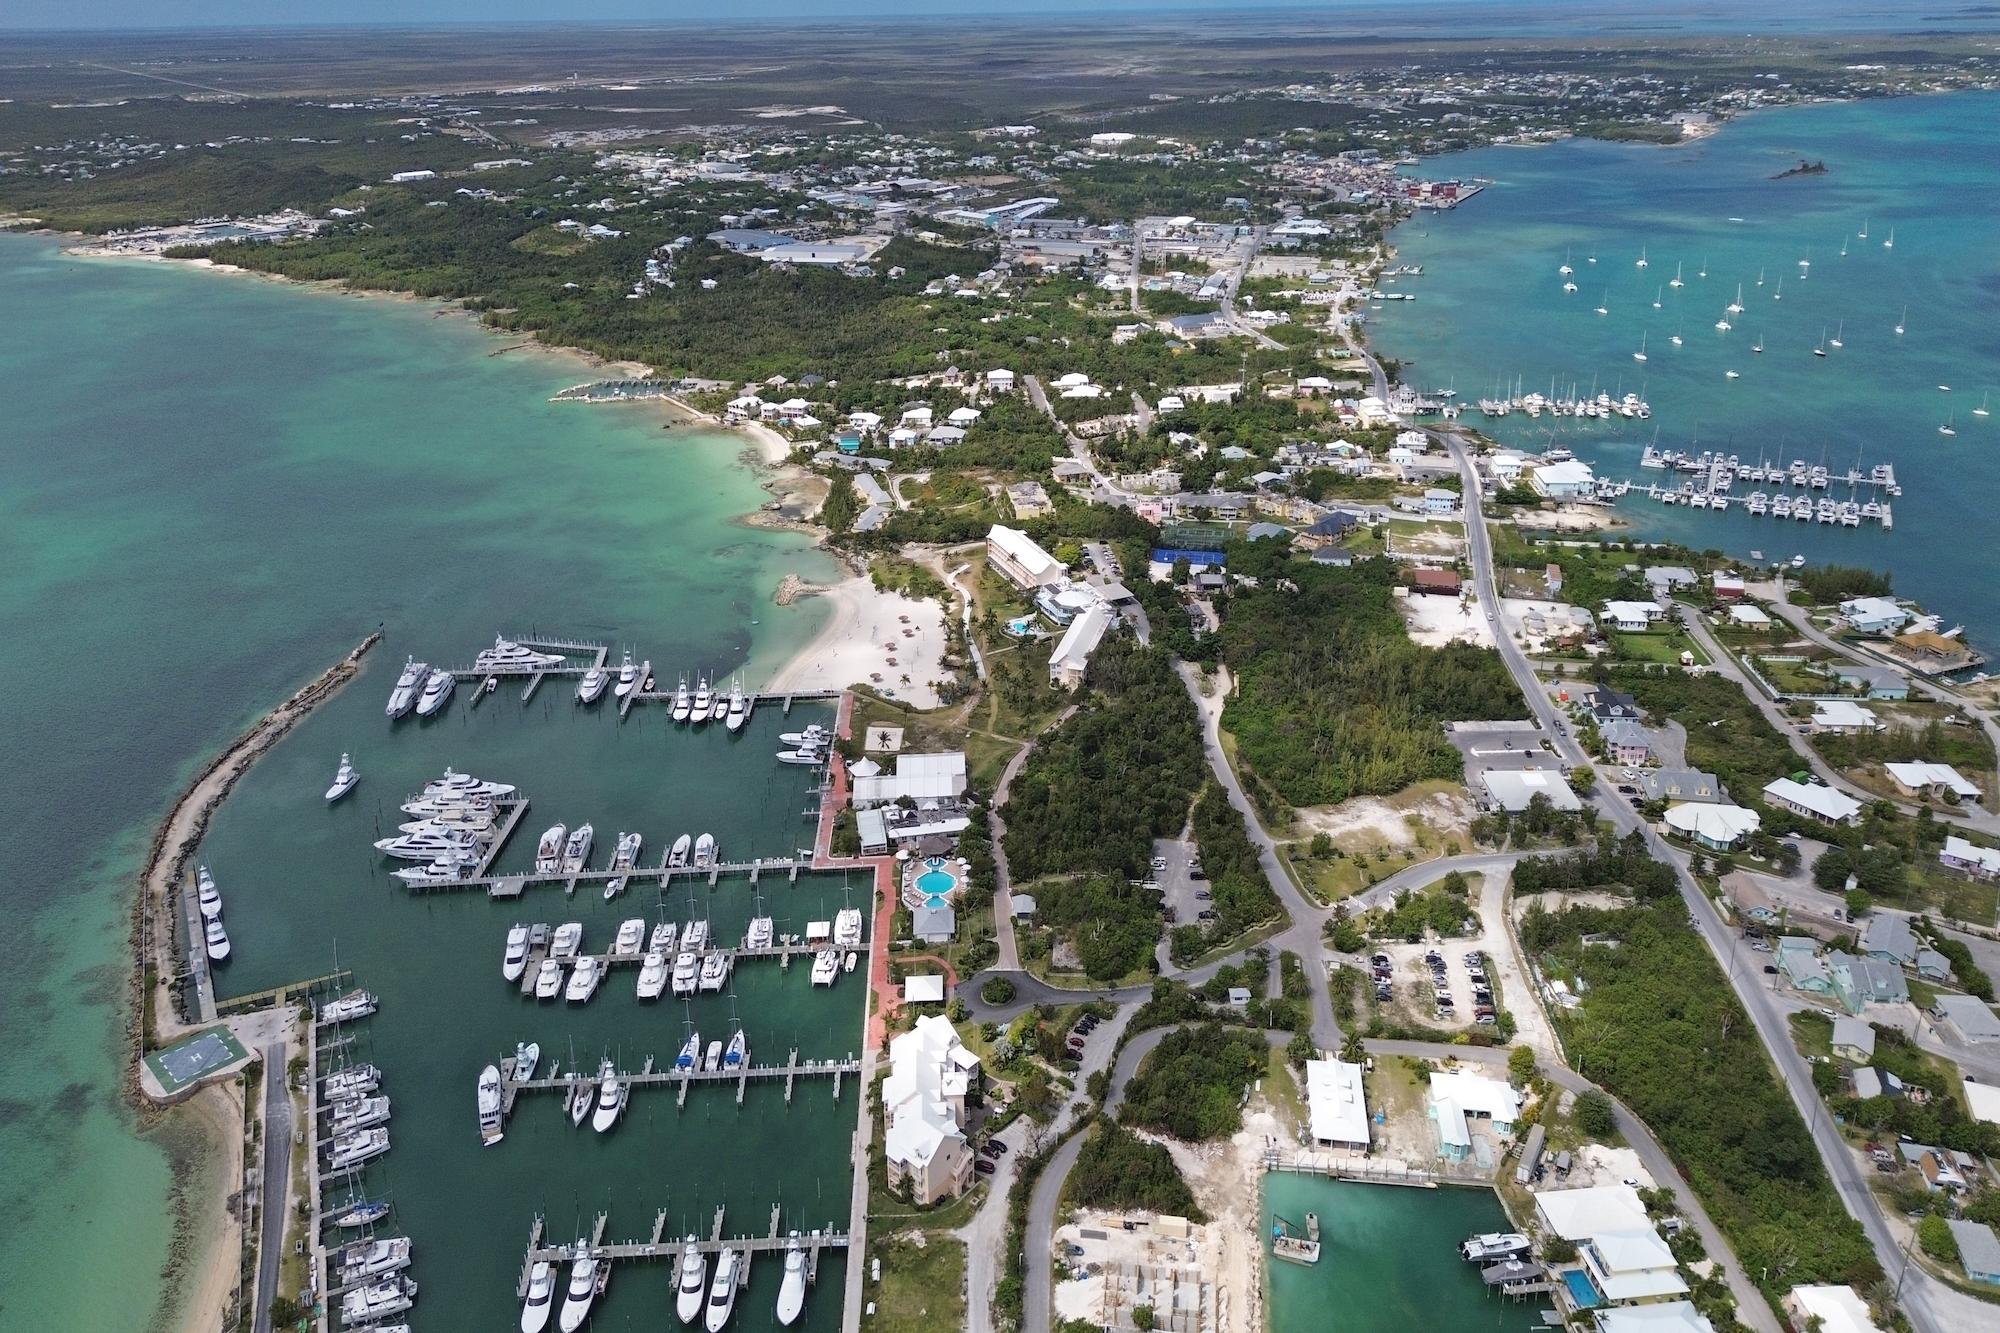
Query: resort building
x: 1079, y: 641
x: 918, y: 777
x: 1962, y: 856
x: 1717, y: 827
x: 1030, y: 499
x: 1940, y: 780
x: 1836, y: 1310
x: 1812, y: 800
x: 1024, y: 563
x: 1338, y: 1106
x: 931, y: 1075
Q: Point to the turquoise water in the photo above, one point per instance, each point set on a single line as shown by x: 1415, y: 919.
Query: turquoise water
x: 935, y: 882
x: 1490, y: 311
x: 1581, y: 1292
x: 214, y: 488
x: 1388, y: 1258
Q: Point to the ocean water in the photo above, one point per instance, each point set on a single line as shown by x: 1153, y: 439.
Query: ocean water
x: 1388, y: 1258
x: 210, y: 489
x: 1490, y: 311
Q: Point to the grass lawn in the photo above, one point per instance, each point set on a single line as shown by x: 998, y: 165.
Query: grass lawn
x: 923, y: 1286
x: 1657, y: 646
x: 1510, y: 546
x: 1281, y: 1088
x: 1952, y: 896
x: 1813, y: 1035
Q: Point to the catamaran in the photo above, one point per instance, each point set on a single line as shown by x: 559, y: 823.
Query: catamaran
x: 1640, y: 355
x: 344, y: 1117
x: 404, y: 696
x: 344, y: 779
x: 1642, y: 258
x: 1677, y: 276
x: 348, y: 1008
x: 353, y: 1081
x: 1565, y: 270
x: 1835, y: 341
x: 377, y: 1301
x: 1736, y: 307
x: 653, y: 976
x: 631, y: 936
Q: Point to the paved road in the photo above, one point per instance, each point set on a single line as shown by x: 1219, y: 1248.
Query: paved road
x: 277, y: 1177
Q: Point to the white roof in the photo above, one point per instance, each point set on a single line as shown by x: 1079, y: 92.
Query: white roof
x: 1982, y: 1101
x: 1958, y: 849
x: 1838, y: 1309
x: 1670, y: 1317
x: 1023, y: 550
x: 1916, y: 774
x: 925, y: 1070
x: 1002, y: 374
x: 1080, y: 640
x: 1512, y: 789
x: 1570, y: 473
x: 925, y: 989
x: 921, y: 777
x: 1823, y: 801
x: 1621, y: 612
x: 1717, y: 823
x: 1476, y: 1094
x: 1842, y: 713
x: 1335, y: 1098
x: 1872, y: 608
x: 1745, y: 614
x: 1071, y: 380
x: 1579, y: 1214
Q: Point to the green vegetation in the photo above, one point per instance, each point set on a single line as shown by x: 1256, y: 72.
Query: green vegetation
x: 1726, y: 733
x: 1444, y: 907
x: 1894, y: 858
x: 1242, y: 897
x: 923, y: 1285
x: 1335, y: 699
x: 1660, y: 1028
x: 996, y: 990
x: 1112, y: 924
x: 1829, y: 585
x: 1116, y: 1168
x: 1938, y: 1117
x: 1192, y: 1086
x: 1968, y: 749
x: 1118, y: 774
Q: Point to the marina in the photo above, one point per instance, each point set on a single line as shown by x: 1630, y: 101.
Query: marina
x: 680, y: 1080
x: 658, y: 1246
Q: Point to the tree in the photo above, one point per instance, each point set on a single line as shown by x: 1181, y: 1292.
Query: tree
x: 1594, y: 1115
x: 1321, y: 847
x: 1142, y: 1317
x: 285, y: 1311
x: 1583, y: 780
x: 1351, y: 1049
x: 1859, y: 900
x: 1936, y: 1238
x: 1521, y: 1064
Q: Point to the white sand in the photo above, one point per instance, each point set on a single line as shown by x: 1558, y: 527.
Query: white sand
x: 1437, y: 621
x: 852, y: 649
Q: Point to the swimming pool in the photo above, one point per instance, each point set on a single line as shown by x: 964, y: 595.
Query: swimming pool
x: 1581, y: 1293
x: 936, y: 883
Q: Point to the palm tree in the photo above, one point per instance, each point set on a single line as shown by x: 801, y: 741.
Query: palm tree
x: 1351, y: 1050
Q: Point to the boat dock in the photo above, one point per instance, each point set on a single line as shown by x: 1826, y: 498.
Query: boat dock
x: 586, y: 655
x: 681, y: 1079
x: 657, y: 1246
x: 512, y: 886
x: 784, y: 953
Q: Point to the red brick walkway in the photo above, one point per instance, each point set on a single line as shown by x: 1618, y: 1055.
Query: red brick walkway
x: 886, y: 998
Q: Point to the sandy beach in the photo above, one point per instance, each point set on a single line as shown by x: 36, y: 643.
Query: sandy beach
x: 866, y: 629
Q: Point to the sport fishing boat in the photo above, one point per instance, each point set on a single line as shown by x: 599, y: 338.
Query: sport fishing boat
x: 611, y: 1094
x: 814, y: 734
x: 690, y: 1055
x: 404, y: 697
x: 505, y: 654
x: 540, y: 1303
x: 652, y: 976
x: 802, y: 755
x: 704, y: 851
x: 209, y: 896
x: 548, y: 851
x: 527, y: 1059
x: 437, y: 689
x: 583, y: 982
x: 515, y: 960
x: 738, y: 1054
x: 678, y: 855
x: 549, y: 980
x: 792, y: 1291
x: 344, y: 779
x: 628, y: 677
x: 490, y: 1132
x: 591, y: 688
x: 739, y: 708
x: 577, y: 850
x: 691, y: 1281
x: 631, y: 935
x: 704, y: 702
x: 683, y: 702
x: 582, y: 1291
x: 721, y: 1293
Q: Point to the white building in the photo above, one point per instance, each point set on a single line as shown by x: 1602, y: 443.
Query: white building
x: 409, y: 177
x: 1921, y: 779
x: 918, y: 777
x: 923, y: 1107
x: 1458, y: 1097
x: 1843, y: 715
x: 1633, y: 616
x: 1960, y: 855
x: 1079, y: 641
x: 1563, y: 481
x: 1512, y: 789
x: 1338, y: 1105
x: 1671, y: 1317
x: 1810, y: 799
x: 1715, y: 826
x: 1838, y: 1310
x: 1578, y: 1214
x: 1000, y: 381
x: 1025, y: 564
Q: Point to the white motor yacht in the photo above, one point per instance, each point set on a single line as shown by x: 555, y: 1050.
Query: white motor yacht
x: 377, y: 1301
x: 683, y: 702
x: 653, y: 976
x: 721, y: 1293
x: 611, y: 1094
x: 209, y: 896
x: 792, y: 1291
x: 691, y: 1282
x: 582, y: 1291
x: 490, y: 1132
x: 515, y: 961
x: 467, y: 786
x: 704, y: 850
x: 549, y: 980
x: 567, y: 940
x: 577, y: 850
x: 826, y: 967
x: 591, y: 688
x: 437, y: 690
x: 404, y: 697
x: 625, y: 856
x: 678, y: 856
x: 433, y: 845
x: 739, y: 708
x: 445, y: 803
x: 506, y: 653
x: 810, y: 755
x: 352, y: 1081
x: 583, y: 982
x: 216, y: 941
x: 814, y: 734
x: 628, y: 677
x: 536, y: 1309
x: 687, y: 971
x: 631, y: 936
x: 344, y: 779
x: 690, y: 1054
x: 704, y: 702
x: 549, y: 849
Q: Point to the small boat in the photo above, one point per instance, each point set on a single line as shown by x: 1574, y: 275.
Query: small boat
x: 582, y: 1290
x: 584, y: 980
x: 548, y: 851
x: 653, y: 976
x: 678, y: 856
x: 490, y: 1132
x: 1642, y: 258
x: 1677, y: 276
x: 1835, y: 340
x: 1980, y: 410
x: 1492, y: 1246
x: 792, y: 1291
x: 567, y: 940
x: 1821, y: 349
x: 628, y: 677
x: 690, y: 1054
x: 1296, y: 1249
x: 802, y: 756
x: 1730, y: 375
x: 1758, y: 346
x: 515, y: 961
x: 549, y: 980
x: 365, y: 1213
x: 631, y: 936
x: 1945, y: 429
x: 577, y: 850
x: 1565, y: 270
x: 1604, y: 302
x: 347, y: 1008
x: 713, y: 1060
x: 527, y: 1059
x: 1890, y: 244
x: 437, y: 690
x: 1640, y: 355
x: 1657, y: 294
x: 1736, y: 307
x: 704, y: 850
x: 591, y: 688
x: 721, y: 1293
x: 847, y: 964
x: 1675, y: 340
x: 404, y: 696
x: 612, y: 1092
x: 209, y: 896
x: 1569, y: 286
x: 690, y: 1282
x: 377, y: 1301
x: 344, y: 779
x: 536, y: 1309
x: 738, y: 1054
x: 1901, y: 320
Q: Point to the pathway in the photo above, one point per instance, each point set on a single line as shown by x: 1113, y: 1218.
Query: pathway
x: 277, y: 1176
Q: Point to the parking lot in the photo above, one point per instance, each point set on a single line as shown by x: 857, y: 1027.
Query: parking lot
x: 1183, y: 892
x: 1437, y: 985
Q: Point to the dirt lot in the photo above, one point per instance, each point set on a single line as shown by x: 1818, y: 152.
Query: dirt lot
x: 1411, y: 991
x: 1437, y: 621
x: 1397, y: 822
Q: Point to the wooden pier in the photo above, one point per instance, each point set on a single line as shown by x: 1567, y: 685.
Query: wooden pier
x: 538, y: 953
x: 276, y: 997
x: 512, y: 886
x: 681, y: 1079
x: 657, y: 1246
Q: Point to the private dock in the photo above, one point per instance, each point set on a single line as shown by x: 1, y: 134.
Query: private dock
x: 682, y: 1079
x: 657, y: 1246
x: 538, y: 952
x: 512, y: 886
x: 587, y: 655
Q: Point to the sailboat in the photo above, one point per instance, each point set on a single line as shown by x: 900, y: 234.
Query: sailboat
x: 1760, y: 279
x: 1821, y: 349
x: 1779, y: 294
x: 1642, y: 257
x: 1843, y: 247
x: 1657, y: 294
x: 1604, y: 302
x: 1675, y: 340
x: 1640, y: 355
x: 1729, y: 375
x: 1569, y: 286
x: 1901, y: 320
x: 1723, y: 323
x: 1590, y: 259
x: 1677, y: 276
x: 1946, y: 428
x: 1736, y: 307
x: 1805, y: 265
x: 1890, y: 244
x: 1980, y: 410
x: 1565, y: 270
x: 1758, y: 346
x: 1703, y: 271
x: 1835, y: 341
x: 1863, y: 233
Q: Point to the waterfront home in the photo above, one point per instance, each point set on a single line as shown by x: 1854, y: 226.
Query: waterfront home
x: 1623, y: 1257
x: 1626, y: 742
x: 931, y: 1076
x: 1972, y: 861
x: 1978, y: 1250
x: 1563, y: 481
x: 1925, y: 779
x: 1681, y: 785
x: 1506, y: 467
x: 1669, y: 1317
x: 1860, y: 982
x: 1512, y: 790
x: 1969, y: 1016
x: 1853, y: 1039
x: 1072, y: 655
x: 1829, y: 1309
x: 1842, y: 716
x: 1459, y: 1099
x: 1337, y: 1104
x: 1812, y: 800
x: 1932, y: 654
x: 1874, y: 615
x: 1887, y: 938
x: 1021, y: 560
x: 1876, y: 682
x: 1717, y: 827
x: 1631, y: 616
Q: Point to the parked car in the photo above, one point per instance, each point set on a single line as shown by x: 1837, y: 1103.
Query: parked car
x: 1770, y: 970
x: 983, y: 1165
